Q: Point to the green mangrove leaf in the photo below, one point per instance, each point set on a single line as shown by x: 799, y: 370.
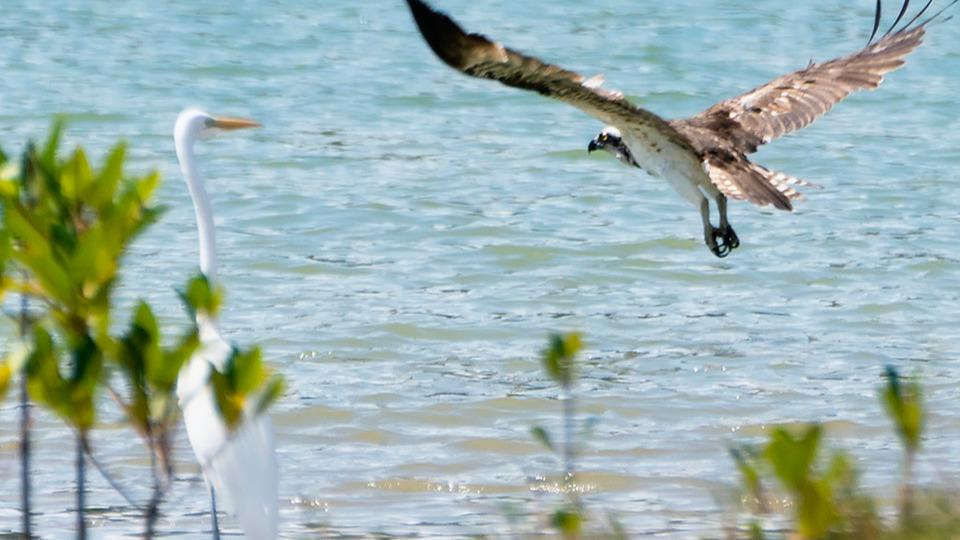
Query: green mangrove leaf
x: 105, y: 186
x: 242, y: 377
x: 44, y: 382
x: 54, y: 281
x: 228, y: 402
x: 76, y: 176
x: 147, y: 186
x: 568, y: 522
x: 49, y: 154
x: 543, y: 437
x: 6, y: 373
x: 163, y: 374
x: 247, y: 371
x: 9, y: 189
x: 903, y: 401
x: 201, y: 297
x: 22, y: 226
x: 272, y: 391
x: 792, y: 457
x: 558, y: 359
x: 746, y: 459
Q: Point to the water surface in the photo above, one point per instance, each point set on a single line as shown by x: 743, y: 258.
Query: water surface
x: 401, y: 239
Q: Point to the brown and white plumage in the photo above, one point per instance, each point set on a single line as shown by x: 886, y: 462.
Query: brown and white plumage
x: 705, y: 155
x: 477, y: 56
x: 796, y: 100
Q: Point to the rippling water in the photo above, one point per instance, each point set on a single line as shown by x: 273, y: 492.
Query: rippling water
x: 401, y: 239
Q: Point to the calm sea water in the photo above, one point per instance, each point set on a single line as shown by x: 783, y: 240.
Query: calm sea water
x: 401, y: 240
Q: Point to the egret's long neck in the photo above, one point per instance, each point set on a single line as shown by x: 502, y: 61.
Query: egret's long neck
x: 201, y: 204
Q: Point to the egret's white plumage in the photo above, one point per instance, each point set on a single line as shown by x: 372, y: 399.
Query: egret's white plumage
x: 240, y: 467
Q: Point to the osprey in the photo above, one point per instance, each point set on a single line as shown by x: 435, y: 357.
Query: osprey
x: 703, y: 157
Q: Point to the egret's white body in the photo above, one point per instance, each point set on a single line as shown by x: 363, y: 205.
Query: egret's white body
x: 241, y: 467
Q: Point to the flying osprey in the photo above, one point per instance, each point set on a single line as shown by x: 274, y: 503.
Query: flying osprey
x: 706, y: 155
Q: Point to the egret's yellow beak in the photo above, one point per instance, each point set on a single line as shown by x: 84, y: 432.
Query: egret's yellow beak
x: 227, y: 124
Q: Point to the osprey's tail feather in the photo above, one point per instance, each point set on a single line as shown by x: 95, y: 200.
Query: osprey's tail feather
x: 739, y: 178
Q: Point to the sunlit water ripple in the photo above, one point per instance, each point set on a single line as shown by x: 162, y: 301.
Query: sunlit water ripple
x: 401, y: 239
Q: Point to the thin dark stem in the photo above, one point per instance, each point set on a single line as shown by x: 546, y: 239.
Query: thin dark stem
x: 25, y: 459
x: 81, y: 486
x: 153, y: 510
x: 906, y: 489
x: 213, y: 515
x: 153, y: 507
x: 109, y: 477
x: 158, y: 441
x: 25, y: 433
x: 569, y: 424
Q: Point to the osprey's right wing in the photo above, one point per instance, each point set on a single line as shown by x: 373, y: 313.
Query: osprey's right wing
x: 477, y: 56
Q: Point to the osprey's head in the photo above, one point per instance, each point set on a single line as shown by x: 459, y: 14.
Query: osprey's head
x: 610, y: 140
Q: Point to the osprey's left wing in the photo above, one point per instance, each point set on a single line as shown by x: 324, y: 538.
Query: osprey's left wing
x: 477, y: 56
x: 795, y: 100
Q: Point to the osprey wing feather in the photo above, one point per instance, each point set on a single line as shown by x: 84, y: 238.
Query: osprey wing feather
x: 477, y: 56
x: 796, y: 100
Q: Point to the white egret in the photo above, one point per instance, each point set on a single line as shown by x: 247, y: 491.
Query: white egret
x: 241, y: 466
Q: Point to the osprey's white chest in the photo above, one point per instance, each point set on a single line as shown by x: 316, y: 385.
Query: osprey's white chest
x: 663, y: 158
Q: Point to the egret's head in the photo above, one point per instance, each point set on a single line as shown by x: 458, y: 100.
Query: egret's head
x: 195, y: 124
x: 610, y: 140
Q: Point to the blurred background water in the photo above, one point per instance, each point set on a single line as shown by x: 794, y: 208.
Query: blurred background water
x: 401, y: 239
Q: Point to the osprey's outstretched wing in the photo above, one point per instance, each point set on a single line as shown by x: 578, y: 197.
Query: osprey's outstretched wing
x: 795, y: 100
x: 477, y: 56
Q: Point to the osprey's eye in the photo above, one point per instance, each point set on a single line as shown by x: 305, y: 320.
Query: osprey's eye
x: 209, y: 122
x: 604, y: 137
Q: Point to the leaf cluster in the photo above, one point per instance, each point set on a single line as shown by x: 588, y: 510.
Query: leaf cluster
x: 244, y: 386
x: 903, y: 402
x: 559, y: 357
x: 151, y: 370
x: 64, y: 227
x: 824, y: 492
x: 67, y: 226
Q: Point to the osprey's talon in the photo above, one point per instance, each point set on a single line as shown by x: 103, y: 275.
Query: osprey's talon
x: 722, y: 248
x: 730, y: 237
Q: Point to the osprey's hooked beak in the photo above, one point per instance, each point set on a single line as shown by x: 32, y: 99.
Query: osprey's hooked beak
x: 613, y: 143
x: 601, y: 140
